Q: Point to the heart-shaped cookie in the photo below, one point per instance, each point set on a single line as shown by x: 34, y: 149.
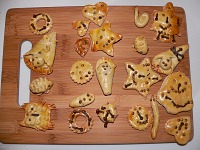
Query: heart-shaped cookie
x: 96, y: 13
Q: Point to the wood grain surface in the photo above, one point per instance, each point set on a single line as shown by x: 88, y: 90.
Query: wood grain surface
x: 64, y: 89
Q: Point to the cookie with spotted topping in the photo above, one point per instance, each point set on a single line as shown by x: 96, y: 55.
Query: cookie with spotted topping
x: 81, y: 26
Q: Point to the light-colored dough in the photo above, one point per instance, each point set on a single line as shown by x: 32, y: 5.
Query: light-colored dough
x: 140, y: 45
x: 81, y: 26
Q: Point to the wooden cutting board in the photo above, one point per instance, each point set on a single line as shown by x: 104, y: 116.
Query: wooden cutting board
x: 64, y: 89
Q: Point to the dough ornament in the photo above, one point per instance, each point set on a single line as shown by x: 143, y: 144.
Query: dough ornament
x: 82, y: 100
x: 44, y: 29
x: 141, y: 20
x: 166, y: 24
x: 41, y: 57
x: 40, y: 86
x: 103, y: 39
x: 166, y: 62
x: 81, y: 26
x: 180, y: 127
x: 175, y: 93
x: 139, y: 117
x: 107, y: 113
x: 140, y: 45
x: 72, y: 121
x: 38, y: 116
x: 96, y: 13
x: 105, y: 69
x: 140, y: 77
x: 81, y: 72
x: 82, y: 46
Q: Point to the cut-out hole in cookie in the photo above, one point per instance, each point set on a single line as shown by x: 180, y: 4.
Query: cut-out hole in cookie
x: 24, y: 75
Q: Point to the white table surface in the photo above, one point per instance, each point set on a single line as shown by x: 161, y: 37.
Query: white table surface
x: 193, y: 27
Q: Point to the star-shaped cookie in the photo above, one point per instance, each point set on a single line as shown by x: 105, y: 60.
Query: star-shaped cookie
x: 141, y: 77
x: 103, y: 39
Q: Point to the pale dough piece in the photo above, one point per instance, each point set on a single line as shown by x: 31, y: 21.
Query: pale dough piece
x: 41, y: 57
x: 81, y: 26
x: 140, y: 45
x: 38, y: 116
x: 156, y: 117
x: 81, y: 72
x: 82, y: 100
x: 139, y: 117
x: 166, y: 62
x: 141, y: 77
x: 107, y: 113
x: 175, y: 93
x: 103, y: 39
x: 141, y: 20
x: 96, y: 13
x: 40, y: 85
x: 105, y: 69
x: 180, y: 127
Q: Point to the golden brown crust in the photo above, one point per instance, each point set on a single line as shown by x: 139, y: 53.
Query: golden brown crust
x: 140, y: 77
x: 81, y: 26
x: 40, y: 30
x: 166, y: 62
x: 96, y: 13
x: 175, y: 93
x: 80, y: 129
x: 180, y: 127
x: 139, y: 117
x: 103, y: 39
x: 38, y: 116
x: 82, y: 46
x: 41, y: 57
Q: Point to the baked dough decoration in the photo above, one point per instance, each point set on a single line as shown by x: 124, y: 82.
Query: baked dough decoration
x: 105, y: 69
x: 96, y: 13
x: 81, y: 72
x: 166, y: 24
x: 41, y: 57
x: 175, y: 93
x: 82, y: 100
x: 142, y: 20
x: 140, y: 45
x: 82, y: 46
x: 103, y: 39
x: 139, y: 117
x: 166, y: 62
x: 81, y: 26
x: 180, y: 127
x: 156, y: 117
x: 38, y: 116
x: 107, y: 113
x: 72, y: 121
x: 40, y: 30
x: 140, y: 77
x: 40, y: 86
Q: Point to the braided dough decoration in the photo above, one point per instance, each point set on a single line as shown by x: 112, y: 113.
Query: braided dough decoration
x: 81, y: 26
x: 107, y: 113
x: 105, y: 69
x: 166, y: 62
x: 141, y: 77
x: 175, y: 93
x: 44, y: 29
x: 81, y: 72
x: 37, y: 116
x: 40, y: 86
x: 139, y: 117
x: 82, y: 100
x: 142, y: 20
x: 41, y: 57
x: 180, y: 127
x: 72, y: 121
x: 103, y: 39
x: 166, y: 24
x: 96, y: 13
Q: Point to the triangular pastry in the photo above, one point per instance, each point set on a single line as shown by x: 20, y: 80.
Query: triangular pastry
x: 41, y: 57
x: 105, y: 69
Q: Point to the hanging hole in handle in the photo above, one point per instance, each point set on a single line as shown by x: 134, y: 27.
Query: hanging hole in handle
x: 24, y: 75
